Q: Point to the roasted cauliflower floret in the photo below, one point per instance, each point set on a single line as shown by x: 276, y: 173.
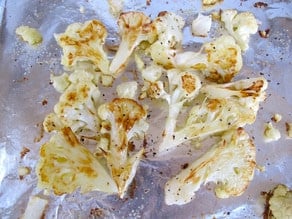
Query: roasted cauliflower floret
x: 65, y: 165
x: 240, y: 26
x: 219, y: 60
x: 77, y: 106
x: 84, y: 43
x: 225, y: 106
x: 230, y: 163
x: 169, y: 30
x: 135, y: 27
x: 127, y: 120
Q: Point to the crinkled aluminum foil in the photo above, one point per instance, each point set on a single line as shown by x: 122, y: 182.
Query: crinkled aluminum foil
x: 25, y: 88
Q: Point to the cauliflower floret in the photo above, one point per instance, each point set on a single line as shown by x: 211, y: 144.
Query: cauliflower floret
x: 271, y: 133
x: 229, y: 163
x: 240, y: 26
x: 65, y: 165
x: 135, y: 27
x: 280, y: 203
x: 77, y: 106
x: 225, y: 106
x: 127, y: 89
x: 219, y: 61
x: 116, y: 6
x: 169, y: 29
x: 127, y: 120
x: 201, y: 25
x: 84, y: 43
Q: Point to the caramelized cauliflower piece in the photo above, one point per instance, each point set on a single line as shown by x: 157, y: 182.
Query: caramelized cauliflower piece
x: 219, y: 60
x: 225, y: 106
x: 77, y: 106
x: 135, y: 27
x: 230, y: 163
x: 84, y: 43
x: 65, y: 165
x: 127, y: 120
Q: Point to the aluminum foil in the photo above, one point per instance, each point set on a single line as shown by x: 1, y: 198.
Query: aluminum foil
x: 26, y: 96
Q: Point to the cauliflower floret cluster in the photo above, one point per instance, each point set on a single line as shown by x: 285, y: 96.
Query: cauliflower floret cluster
x: 230, y: 163
x: 179, y: 78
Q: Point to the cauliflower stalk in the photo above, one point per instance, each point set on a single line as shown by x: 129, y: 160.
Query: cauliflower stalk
x: 126, y: 120
x: 230, y: 163
x: 77, y: 106
x: 135, y: 27
x: 65, y: 165
x: 225, y: 106
x: 219, y: 61
x: 240, y: 26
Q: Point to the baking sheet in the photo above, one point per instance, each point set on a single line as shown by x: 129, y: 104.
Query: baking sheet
x: 24, y: 85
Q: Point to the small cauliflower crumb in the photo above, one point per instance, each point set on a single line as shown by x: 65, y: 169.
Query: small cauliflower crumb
x: 271, y: 133
x: 22, y: 172
x: 201, y: 25
x: 276, y: 117
x: 82, y: 9
x: 210, y: 2
x: 289, y: 129
x: 35, y: 208
x: 29, y: 34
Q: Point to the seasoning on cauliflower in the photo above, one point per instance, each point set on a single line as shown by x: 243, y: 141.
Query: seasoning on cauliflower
x: 230, y: 163
x: 77, y: 106
x: 219, y: 60
x: 240, y: 26
x: 65, y: 165
x: 201, y: 25
x: 127, y: 120
x: 225, y: 106
x: 278, y: 203
x: 135, y: 27
x: 169, y: 30
x: 271, y: 133
x: 84, y: 43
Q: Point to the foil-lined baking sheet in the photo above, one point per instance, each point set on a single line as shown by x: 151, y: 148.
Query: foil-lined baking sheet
x: 26, y: 96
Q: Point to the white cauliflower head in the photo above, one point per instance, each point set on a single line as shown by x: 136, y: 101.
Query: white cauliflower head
x: 65, y: 165
x: 84, y: 43
x: 127, y: 120
x: 240, y: 26
x: 230, y: 163
x: 169, y: 30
